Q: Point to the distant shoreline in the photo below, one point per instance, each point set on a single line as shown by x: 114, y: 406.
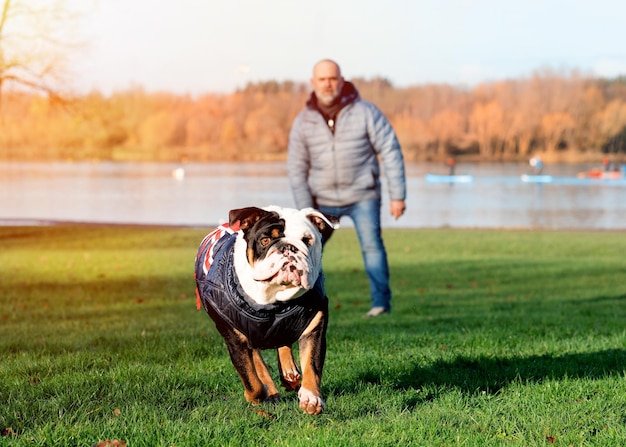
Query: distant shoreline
x: 20, y: 222
x: 17, y: 222
x: 566, y: 157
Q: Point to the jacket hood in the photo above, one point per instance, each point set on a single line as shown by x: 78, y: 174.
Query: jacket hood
x: 348, y: 94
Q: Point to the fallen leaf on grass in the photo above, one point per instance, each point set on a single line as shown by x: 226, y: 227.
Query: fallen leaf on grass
x: 108, y: 443
x: 8, y: 432
x: 264, y: 414
x: 93, y: 411
x: 550, y: 439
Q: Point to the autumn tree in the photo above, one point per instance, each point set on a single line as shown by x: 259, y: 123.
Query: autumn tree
x: 413, y: 134
x: 486, y: 123
x: 203, y: 126
x: 610, y: 123
x: 591, y: 102
x: 447, y: 126
x: 35, y: 45
x: 556, y: 130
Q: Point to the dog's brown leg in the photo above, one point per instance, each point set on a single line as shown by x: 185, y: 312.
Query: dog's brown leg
x: 289, y: 374
x: 264, y: 374
x: 312, y: 354
x: 243, y: 359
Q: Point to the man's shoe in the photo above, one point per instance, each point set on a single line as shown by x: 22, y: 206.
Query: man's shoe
x: 376, y: 311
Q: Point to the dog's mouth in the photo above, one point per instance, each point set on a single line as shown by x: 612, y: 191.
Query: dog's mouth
x: 286, y: 268
x: 287, y: 275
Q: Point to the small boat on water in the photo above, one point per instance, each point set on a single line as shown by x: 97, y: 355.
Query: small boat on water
x: 602, y: 174
x: 538, y: 178
x: 437, y: 178
x: 610, y: 171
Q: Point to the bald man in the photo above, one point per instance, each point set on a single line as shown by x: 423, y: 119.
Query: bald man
x: 335, y: 145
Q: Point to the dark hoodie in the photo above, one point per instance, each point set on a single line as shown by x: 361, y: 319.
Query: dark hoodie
x: 347, y: 95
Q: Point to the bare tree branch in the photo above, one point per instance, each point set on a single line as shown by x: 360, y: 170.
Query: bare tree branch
x: 35, y: 45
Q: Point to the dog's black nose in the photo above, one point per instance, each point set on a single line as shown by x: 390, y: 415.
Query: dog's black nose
x: 289, y: 247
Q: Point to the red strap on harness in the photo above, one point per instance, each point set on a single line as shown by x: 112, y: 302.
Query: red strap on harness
x: 198, y: 301
x: 209, y: 241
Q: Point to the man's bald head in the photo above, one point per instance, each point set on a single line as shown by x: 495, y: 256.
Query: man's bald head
x: 327, y: 81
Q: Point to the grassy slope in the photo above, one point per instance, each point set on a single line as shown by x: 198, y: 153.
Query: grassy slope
x: 496, y: 338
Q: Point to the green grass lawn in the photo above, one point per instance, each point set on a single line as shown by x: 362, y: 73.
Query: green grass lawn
x: 513, y: 338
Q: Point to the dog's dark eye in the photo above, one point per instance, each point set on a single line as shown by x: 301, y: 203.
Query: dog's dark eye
x: 265, y: 241
x: 308, y: 240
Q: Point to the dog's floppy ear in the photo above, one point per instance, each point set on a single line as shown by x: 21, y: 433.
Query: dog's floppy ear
x: 245, y: 216
x: 325, y: 224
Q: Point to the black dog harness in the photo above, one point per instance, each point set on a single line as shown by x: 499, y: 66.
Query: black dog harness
x: 265, y: 326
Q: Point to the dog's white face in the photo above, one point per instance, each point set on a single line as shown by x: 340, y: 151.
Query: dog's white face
x: 278, y: 252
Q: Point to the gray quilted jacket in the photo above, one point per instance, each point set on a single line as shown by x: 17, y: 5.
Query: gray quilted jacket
x: 342, y: 168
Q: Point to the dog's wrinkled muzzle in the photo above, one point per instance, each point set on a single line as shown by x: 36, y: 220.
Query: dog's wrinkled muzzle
x: 284, y: 265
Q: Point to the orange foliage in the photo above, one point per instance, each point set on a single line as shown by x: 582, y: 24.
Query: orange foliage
x: 486, y: 123
x: 506, y: 120
x: 556, y: 129
x: 445, y: 126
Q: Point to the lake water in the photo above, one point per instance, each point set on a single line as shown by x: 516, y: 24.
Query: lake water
x: 150, y: 193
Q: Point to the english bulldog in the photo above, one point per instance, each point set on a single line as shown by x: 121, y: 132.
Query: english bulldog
x: 259, y: 277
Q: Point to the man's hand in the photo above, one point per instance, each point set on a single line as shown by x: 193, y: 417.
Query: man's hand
x: 397, y: 208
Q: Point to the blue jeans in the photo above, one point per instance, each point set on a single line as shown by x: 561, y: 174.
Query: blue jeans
x: 366, y: 218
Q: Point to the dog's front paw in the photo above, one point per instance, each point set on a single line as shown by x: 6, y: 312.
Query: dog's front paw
x: 310, y: 403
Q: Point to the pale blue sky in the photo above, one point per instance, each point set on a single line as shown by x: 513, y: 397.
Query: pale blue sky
x: 199, y: 46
